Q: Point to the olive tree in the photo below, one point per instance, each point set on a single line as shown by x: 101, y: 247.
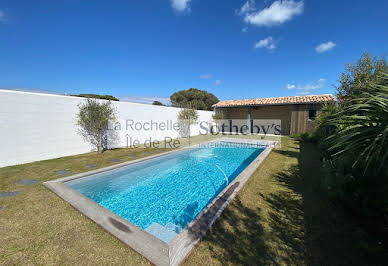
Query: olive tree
x: 187, y: 117
x: 92, y: 119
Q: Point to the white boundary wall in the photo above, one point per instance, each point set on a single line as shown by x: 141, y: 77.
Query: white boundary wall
x: 37, y: 126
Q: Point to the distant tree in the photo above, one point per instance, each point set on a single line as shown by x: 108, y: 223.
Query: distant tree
x: 157, y: 103
x: 92, y: 119
x: 186, y: 118
x: 358, y: 77
x: 96, y: 96
x: 197, y: 99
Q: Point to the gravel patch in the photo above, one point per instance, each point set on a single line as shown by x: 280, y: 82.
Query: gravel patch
x: 6, y: 194
x: 28, y: 181
x: 62, y: 172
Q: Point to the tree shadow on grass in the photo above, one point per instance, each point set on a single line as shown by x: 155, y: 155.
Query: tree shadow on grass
x: 307, y: 220
x: 294, y: 154
x: 287, y: 227
x: 302, y: 226
x: 240, y: 235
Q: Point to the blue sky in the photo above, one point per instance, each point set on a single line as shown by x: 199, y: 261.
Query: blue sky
x: 235, y: 49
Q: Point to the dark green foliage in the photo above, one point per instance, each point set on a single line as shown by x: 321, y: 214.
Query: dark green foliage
x: 96, y: 96
x: 157, y: 103
x: 357, y: 77
x: 194, y: 98
x: 353, y: 138
x: 322, y: 128
x: 306, y: 137
x: 363, y: 129
x: 366, y: 194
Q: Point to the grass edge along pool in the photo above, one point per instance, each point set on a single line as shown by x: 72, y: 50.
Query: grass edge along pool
x: 174, y: 250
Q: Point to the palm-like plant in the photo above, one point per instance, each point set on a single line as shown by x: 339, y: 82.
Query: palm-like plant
x: 363, y: 129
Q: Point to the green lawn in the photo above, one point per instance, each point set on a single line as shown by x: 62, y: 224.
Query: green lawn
x: 280, y: 217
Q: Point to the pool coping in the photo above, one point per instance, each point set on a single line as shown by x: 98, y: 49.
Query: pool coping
x: 151, y: 247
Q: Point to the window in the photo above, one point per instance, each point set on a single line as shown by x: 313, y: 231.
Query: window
x: 312, y: 114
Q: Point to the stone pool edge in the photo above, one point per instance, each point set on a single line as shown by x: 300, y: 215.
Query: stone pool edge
x: 149, y: 246
x: 185, y: 241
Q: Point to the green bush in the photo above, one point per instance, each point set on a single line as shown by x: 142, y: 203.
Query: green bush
x: 362, y: 129
x: 97, y: 96
x: 353, y: 139
x: 218, y: 116
x: 92, y: 119
x: 305, y: 137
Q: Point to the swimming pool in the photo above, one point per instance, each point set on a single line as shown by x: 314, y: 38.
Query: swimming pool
x: 163, y: 204
x: 163, y: 195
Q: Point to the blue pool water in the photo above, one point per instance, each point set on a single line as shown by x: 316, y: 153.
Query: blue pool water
x: 164, y: 194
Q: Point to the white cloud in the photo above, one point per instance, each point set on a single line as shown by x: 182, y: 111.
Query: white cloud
x: 3, y: 16
x: 206, y: 76
x: 268, y: 43
x: 324, y: 47
x: 248, y: 7
x: 305, y: 89
x: 180, y: 5
x: 218, y: 82
x: 290, y: 86
x: 279, y: 12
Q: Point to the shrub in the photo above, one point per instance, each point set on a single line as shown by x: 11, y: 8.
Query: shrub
x: 96, y: 96
x: 218, y: 116
x: 354, y: 144
x: 92, y: 119
x: 306, y: 137
x: 186, y: 118
x: 362, y: 129
x: 157, y: 103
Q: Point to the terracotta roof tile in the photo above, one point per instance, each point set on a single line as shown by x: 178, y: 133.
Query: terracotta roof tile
x: 278, y: 100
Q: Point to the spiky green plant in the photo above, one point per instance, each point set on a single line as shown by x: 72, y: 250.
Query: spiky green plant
x: 362, y: 129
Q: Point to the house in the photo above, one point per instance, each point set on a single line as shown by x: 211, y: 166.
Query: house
x: 296, y: 113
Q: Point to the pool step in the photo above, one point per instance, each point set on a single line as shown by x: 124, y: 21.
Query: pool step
x: 161, y: 232
x: 173, y: 227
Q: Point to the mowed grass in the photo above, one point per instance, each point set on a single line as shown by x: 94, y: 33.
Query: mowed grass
x: 280, y: 217
x: 283, y: 216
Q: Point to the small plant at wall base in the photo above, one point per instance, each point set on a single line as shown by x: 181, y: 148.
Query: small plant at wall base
x: 218, y: 116
x: 186, y: 118
x: 92, y: 119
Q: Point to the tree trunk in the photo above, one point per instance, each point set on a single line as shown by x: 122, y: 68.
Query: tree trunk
x: 189, y: 133
x: 99, y: 144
